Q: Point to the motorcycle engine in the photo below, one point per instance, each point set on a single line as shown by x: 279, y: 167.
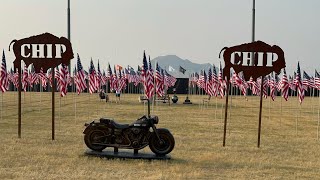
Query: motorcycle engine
x: 136, y: 136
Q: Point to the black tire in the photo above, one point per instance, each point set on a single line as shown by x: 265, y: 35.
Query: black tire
x: 94, y: 136
x: 166, y: 147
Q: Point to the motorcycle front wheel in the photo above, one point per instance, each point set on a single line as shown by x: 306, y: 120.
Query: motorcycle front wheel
x: 165, y: 146
x: 94, y: 136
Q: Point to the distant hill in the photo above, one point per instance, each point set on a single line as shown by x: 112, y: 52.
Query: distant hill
x: 175, y: 62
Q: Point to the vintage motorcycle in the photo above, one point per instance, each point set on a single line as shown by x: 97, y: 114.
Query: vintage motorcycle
x: 139, y: 134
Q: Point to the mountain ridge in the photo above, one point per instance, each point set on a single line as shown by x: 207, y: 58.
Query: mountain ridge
x: 174, y: 62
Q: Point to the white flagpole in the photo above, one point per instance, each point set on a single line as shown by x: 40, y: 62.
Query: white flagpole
x: 297, y: 120
x: 222, y: 105
x: 269, y: 106
x: 1, y: 104
x: 230, y: 106
x: 89, y: 98
x: 280, y: 110
x: 215, y: 115
x: 60, y: 114
x: 313, y: 102
x: 318, y: 115
x: 40, y: 86
x: 75, y: 108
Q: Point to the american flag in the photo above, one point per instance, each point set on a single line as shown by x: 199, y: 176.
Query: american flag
x: 43, y: 78
x: 109, y: 75
x: 285, y: 85
x: 209, y: 83
x: 151, y: 71
x: 49, y: 76
x: 169, y: 79
x: 69, y: 78
x: 11, y: 76
x: 159, y: 81
x: 273, y: 87
x: 92, y: 78
x: 126, y: 73
x: 150, y: 67
x: 98, y: 77
x: 233, y: 78
x: 25, y: 78
x: 139, y: 78
x: 292, y: 81
x: 201, y: 79
x: 254, y: 86
x: 57, y: 77
x: 264, y: 87
x: 129, y: 74
x: 222, y: 82
x: 104, y: 78
x: 80, y: 79
x: 63, y: 80
x: 109, y: 72
x: 299, y: 85
x: 240, y: 82
x: 32, y: 78
x: 121, y: 81
x: 317, y: 79
x: 3, y: 74
x: 306, y: 83
x: 148, y: 79
x: 215, y: 82
x: 195, y: 79
x: 114, y: 82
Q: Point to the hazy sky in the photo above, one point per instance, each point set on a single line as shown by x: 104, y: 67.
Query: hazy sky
x: 117, y: 31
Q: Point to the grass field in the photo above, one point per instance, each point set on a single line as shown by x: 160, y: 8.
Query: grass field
x: 289, y: 145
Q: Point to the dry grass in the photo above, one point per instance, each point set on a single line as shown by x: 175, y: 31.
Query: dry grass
x: 285, y: 153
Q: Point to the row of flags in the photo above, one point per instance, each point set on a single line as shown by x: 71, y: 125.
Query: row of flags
x: 215, y: 85
x: 154, y: 81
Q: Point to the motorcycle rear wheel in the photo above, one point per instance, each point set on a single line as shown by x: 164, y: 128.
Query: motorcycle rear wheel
x: 167, y: 143
x: 94, y: 136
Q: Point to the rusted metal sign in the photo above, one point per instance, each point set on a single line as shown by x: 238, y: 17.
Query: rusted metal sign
x: 255, y: 59
x: 266, y: 59
x: 43, y: 51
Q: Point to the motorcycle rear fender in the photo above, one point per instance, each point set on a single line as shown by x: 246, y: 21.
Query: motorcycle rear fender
x: 90, y: 126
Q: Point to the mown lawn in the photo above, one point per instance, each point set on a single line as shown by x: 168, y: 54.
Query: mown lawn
x: 289, y: 141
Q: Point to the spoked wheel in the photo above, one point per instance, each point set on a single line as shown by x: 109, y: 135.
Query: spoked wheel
x: 95, y: 136
x: 164, y: 146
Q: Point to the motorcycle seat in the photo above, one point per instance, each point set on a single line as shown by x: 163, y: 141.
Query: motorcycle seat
x: 119, y: 126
